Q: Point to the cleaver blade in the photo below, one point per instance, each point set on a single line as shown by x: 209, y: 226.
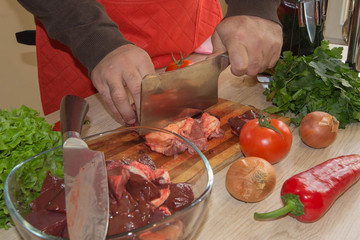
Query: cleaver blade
x: 171, y: 96
x: 85, y: 176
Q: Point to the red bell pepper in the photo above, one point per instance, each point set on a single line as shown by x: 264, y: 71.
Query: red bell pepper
x: 308, y: 195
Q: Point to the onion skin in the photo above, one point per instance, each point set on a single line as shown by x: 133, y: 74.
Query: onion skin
x: 250, y: 179
x: 318, y: 129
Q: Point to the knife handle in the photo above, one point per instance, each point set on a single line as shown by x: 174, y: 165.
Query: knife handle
x: 73, y: 110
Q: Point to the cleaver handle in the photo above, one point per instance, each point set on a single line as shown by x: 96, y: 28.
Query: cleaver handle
x: 73, y: 110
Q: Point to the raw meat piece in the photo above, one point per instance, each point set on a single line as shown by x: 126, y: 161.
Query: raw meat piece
x: 160, y: 213
x: 43, y: 217
x: 196, y: 130
x: 181, y: 195
x: 162, y: 179
x: 50, y: 181
x: 166, y: 143
x: 236, y: 123
x: 58, y: 203
x: 51, y: 188
x: 145, y: 159
x: 141, y: 188
x: 145, y: 169
x: 211, y: 126
x: 52, y: 223
x: 117, y: 179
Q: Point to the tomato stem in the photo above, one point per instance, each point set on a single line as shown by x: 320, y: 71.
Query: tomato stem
x: 265, y: 121
x: 292, y: 204
x: 178, y: 63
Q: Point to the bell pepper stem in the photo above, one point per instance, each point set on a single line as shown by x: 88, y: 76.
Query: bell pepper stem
x: 292, y: 204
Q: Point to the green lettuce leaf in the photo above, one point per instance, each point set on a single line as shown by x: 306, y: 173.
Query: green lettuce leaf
x: 24, y: 134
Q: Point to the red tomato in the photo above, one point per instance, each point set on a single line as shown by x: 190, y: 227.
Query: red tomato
x: 174, y: 66
x: 178, y: 64
x: 264, y: 142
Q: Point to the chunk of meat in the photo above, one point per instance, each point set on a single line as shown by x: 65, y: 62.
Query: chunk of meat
x: 194, y: 131
x: 51, y: 181
x: 51, y: 188
x: 211, y: 126
x: 162, y: 177
x: 181, y: 196
x: 117, y: 179
x: 49, y: 222
x: 167, y: 143
x: 123, y: 221
x: 237, y: 122
x: 146, y: 159
x: 58, y: 203
x: 197, y: 131
x: 142, y: 169
x: 160, y: 213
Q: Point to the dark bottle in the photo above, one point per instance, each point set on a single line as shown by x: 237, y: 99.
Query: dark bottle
x: 295, y: 34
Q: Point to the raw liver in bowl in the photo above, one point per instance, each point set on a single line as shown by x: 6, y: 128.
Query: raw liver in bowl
x: 139, y: 194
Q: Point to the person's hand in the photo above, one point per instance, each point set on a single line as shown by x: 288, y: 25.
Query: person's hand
x: 122, y: 68
x: 253, y: 44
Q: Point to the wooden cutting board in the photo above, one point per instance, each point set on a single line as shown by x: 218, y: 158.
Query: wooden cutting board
x: 220, y: 153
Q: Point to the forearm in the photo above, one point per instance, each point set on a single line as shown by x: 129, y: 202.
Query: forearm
x: 260, y: 8
x: 82, y: 25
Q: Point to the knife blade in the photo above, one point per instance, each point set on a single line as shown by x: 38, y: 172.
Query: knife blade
x: 170, y: 96
x: 310, y: 21
x: 85, y: 176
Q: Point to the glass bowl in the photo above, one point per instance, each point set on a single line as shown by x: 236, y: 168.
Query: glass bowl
x: 24, y: 182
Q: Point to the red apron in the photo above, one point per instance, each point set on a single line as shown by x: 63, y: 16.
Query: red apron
x: 158, y: 26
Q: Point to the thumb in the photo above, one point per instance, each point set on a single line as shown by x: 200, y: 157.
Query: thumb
x: 218, y: 46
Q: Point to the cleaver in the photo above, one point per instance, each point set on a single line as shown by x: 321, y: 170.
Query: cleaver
x: 85, y: 176
x: 171, y: 96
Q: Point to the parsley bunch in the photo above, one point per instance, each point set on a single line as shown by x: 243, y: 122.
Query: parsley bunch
x: 24, y: 134
x: 317, y: 82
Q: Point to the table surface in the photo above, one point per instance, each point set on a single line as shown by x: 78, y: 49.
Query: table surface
x: 228, y: 218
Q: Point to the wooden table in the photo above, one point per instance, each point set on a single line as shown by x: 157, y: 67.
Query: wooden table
x: 228, y: 218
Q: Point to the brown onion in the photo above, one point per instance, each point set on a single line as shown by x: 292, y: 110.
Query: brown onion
x: 318, y: 129
x: 250, y: 179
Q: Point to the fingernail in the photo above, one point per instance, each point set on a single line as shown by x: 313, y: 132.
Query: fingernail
x: 131, y: 122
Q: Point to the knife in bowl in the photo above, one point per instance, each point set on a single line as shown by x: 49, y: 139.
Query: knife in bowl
x: 85, y: 176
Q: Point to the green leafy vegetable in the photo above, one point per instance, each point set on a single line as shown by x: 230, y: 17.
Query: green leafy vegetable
x: 317, y: 82
x: 24, y: 134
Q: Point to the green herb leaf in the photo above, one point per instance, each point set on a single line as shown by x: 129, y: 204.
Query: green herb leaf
x: 317, y: 82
